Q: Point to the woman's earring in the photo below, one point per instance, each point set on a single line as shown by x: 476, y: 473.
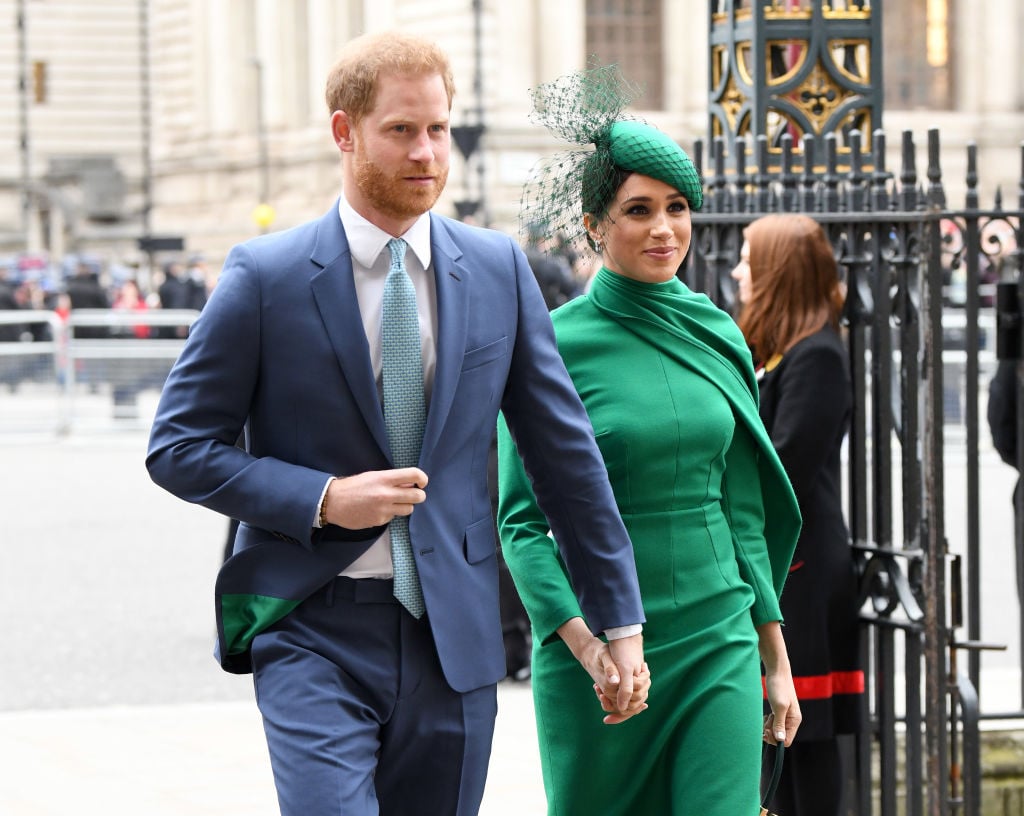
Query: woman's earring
x: 597, y: 247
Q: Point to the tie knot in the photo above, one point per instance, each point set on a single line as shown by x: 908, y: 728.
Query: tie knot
x: 397, y: 248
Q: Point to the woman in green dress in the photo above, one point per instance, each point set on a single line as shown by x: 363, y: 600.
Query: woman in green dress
x: 667, y: 380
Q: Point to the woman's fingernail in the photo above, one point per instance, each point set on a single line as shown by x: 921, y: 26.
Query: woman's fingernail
x: 780, y: 735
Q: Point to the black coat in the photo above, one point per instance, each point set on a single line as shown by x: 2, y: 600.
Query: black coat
x: 806, y: 401
x: 9, y: 332
x: 180, y: 292
x: 1002, y: 411
x: 554, y: 278
x: 86, y: 292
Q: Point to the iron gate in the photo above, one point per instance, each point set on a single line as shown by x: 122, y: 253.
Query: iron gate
x: 911, y: 264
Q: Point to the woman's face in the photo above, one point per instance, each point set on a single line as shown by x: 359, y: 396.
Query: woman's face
x: 646, y: 233
x: 741, y: 274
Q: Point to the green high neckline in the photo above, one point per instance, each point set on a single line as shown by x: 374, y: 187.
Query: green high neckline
x: 614, y: 279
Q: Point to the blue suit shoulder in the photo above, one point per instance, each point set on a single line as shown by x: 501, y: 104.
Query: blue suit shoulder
x: 286, y: 238
x: 471, y: 236
x: 275, y: 256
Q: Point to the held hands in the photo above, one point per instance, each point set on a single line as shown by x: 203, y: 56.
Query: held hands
x: 635, y: 701
x: 374, y: 498
x: 621, y: 678
x: 628, y: 682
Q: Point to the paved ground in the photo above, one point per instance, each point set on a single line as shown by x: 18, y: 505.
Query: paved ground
x: 197, y: 759
x: 110, y: 702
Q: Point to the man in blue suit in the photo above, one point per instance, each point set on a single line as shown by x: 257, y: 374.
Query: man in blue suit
x: 369, y: 705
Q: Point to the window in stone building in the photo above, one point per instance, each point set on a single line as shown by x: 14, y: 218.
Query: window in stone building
x: 39, y: 86
x: 629, y: 33
x: 918, y: 58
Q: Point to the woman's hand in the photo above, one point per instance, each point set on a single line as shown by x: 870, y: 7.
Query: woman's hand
x: 782, y: 724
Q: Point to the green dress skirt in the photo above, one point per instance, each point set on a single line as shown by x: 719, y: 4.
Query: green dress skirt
x: 689, y: 481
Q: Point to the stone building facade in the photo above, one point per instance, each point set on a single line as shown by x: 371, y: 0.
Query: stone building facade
x: 236, y: 118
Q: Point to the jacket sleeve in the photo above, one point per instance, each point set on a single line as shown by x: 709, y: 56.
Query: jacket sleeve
x: 204, y: 406
x: 530, y: 552
x: 555, y: 441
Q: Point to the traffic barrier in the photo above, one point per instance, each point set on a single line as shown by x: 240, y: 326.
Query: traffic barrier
x: 92, y: 369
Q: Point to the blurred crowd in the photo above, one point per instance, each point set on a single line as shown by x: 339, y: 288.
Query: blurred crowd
x: 88, y: 282
x: 52, y: 290
x: 85, y: 281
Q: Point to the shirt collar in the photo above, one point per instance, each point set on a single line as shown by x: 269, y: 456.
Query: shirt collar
x: 367, y: 241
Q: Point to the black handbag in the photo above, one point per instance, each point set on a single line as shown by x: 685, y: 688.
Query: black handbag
x: 773, y: 782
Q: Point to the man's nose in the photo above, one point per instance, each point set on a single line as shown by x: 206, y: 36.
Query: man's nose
x: 422, y: 150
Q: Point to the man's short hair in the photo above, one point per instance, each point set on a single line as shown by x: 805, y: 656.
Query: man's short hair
x: 353, y: 81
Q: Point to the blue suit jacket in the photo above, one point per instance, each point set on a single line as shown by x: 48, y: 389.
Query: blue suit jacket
x: 280, y: 350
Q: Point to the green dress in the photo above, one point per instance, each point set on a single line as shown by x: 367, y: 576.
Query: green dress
x: 667, y: 381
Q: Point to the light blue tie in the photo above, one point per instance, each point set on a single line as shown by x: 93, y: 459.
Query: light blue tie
x: 404, y: 408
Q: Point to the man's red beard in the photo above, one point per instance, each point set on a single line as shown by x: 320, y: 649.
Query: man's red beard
x: 393, y: 196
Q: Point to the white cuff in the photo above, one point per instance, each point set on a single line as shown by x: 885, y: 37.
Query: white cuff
x: 619, y: 632
x: 320, y: 504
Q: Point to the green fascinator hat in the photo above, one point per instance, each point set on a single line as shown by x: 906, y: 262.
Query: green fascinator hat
x: 585, y: 108
x: 640, y: 148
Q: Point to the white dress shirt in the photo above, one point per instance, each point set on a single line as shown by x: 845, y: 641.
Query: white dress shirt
x: 370, y: 263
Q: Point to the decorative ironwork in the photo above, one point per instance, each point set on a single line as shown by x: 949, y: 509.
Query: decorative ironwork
x: 797, y: 69
x: 920, y: 278
x: 795, y: 95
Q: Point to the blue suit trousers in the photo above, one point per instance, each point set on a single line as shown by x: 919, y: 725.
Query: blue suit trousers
x: 359, y: 718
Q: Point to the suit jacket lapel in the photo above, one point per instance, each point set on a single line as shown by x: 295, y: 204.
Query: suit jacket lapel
x: 451, y: 280
x: 335, y: 293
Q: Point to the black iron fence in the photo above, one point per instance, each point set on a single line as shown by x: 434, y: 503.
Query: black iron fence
x: 921, y: 279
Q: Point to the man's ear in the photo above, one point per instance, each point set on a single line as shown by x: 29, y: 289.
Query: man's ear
x: 343, y: 131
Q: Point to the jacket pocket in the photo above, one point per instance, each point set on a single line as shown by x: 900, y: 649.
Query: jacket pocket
x: 474, y: 358
x: 480, y: 544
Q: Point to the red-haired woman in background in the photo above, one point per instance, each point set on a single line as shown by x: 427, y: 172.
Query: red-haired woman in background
x: 790, y: 302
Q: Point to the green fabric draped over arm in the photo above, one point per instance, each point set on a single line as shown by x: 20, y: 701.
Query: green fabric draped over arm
x: 689, y: 329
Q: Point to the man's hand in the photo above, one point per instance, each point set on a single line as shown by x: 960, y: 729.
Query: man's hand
x: 374, y: 498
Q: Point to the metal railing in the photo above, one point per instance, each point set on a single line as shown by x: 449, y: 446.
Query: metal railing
x: 88, y: 369
x: 919, y: 329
